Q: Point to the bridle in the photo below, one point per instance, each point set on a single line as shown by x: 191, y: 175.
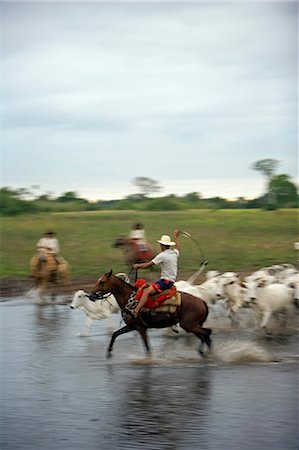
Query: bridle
x: 103, y: 296
x: 99, y: 296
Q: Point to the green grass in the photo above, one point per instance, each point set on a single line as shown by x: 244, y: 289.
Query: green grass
x: 238, y: 240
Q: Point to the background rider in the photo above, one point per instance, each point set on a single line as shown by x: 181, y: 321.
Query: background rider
x: 48, y: 245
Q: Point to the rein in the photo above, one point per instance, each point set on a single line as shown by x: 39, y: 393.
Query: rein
x: 129, y: 275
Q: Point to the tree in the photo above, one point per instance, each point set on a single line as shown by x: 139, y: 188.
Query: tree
x: 284, y: 191
x: 146, y: 185
x: 68, y: 197
x: 267, y: 167
x: 12, y: 204
x: 193, y: 197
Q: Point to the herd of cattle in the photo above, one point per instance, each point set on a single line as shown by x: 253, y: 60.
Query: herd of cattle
x: 267, y: 291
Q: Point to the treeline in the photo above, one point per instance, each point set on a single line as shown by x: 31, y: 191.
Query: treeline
x: 14, y: 202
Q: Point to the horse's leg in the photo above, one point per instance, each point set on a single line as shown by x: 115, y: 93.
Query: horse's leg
x: 123, y: 330
x: 53, y: 293
x: 203, y: 334
x: 143, y: 334
x: 40, y: 288
x: 207, y: 337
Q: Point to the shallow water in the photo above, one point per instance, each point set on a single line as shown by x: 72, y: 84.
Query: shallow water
x: 59, y: 392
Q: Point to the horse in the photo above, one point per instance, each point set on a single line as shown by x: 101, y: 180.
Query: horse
x: 48, y: 270
x: 190, y: 314
x: 133, y: 252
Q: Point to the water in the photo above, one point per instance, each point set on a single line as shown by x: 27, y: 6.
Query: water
x: 59, y: 392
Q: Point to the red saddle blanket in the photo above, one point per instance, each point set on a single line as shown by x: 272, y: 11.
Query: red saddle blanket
x: 142, y: 252
x: 154, y: 300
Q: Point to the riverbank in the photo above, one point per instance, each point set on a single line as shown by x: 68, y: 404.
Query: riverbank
x: 14, y: 287
x: 17, y: 286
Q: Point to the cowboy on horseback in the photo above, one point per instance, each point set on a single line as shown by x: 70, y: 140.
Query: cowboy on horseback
x: 48, y: 245
x: 168, y: 258
x: 190, y: 311
x: 46, y: 266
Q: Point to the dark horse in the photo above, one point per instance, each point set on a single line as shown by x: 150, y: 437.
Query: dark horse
x: 132, y: 251
x: 190, y: 314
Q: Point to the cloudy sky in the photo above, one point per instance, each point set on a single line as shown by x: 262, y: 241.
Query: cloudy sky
x: 188, y: 94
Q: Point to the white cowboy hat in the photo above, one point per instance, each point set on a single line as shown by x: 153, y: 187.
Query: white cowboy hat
x: 165, y: 240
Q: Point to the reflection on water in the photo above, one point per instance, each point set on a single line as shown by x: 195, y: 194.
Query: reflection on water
x: 59, y: 392
x: 161, y: 408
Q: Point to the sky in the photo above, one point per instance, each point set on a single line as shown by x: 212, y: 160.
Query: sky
x: 94, y: 95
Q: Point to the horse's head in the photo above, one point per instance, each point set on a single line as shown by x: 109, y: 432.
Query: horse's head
x: 102, y: 287
x: 119, y: 242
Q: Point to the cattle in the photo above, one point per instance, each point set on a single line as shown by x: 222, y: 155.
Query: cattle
x: 98, y: 310
x: 269, y: 298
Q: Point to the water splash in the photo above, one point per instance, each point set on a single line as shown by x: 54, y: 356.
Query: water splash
x: 33, y: 296
x: 237, y: 351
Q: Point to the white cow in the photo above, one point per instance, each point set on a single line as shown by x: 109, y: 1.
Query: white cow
x: 292, y: 282
x: 207, y: 291
x: 270, y: 298
x: 211, y: 291
x: 235, y: 294
x: 98, y: 310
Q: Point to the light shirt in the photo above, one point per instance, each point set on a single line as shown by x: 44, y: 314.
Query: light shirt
x: 169, y: 263
x: 48, y: 245
x: 137, y: 234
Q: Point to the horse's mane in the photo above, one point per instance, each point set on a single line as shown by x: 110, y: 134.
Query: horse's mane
x: 123, y: 281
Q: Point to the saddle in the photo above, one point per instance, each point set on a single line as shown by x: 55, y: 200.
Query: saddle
x: 166, y: 301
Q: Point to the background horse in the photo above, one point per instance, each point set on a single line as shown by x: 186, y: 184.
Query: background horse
x: 132, y: 251
x: 47, y: 272
x: 191, y: 314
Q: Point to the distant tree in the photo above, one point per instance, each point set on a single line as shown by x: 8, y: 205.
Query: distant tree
x: 267, y: 167
x: 146, y: 185
x: 240, y: 203
x: 170, y: 203
x: 24, y: 194
x: 218, y: 202
x: 193, y: 197
x: 12, y: 204
x: 68, y: 197
x: 284, y: 191
x: 134, y: 197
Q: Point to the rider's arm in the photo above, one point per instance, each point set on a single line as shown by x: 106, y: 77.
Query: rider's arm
x: 145, y: 265
x: 175, y: 238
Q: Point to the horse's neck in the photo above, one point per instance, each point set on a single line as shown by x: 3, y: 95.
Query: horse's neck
x: 121, y: 292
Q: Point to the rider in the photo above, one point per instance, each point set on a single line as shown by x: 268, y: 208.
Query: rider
x: 48, y: 245
x: 168, y: 258
x: 137, y: 235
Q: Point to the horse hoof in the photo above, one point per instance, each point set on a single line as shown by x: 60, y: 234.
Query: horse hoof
x: 108, y: 355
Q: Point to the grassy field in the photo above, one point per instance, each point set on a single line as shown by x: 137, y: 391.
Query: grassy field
x: 237, y: 240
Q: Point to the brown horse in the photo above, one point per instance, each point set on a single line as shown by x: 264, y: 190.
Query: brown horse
x: 190, y: 314
x: 132, y: 251
x: 47, y: 270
